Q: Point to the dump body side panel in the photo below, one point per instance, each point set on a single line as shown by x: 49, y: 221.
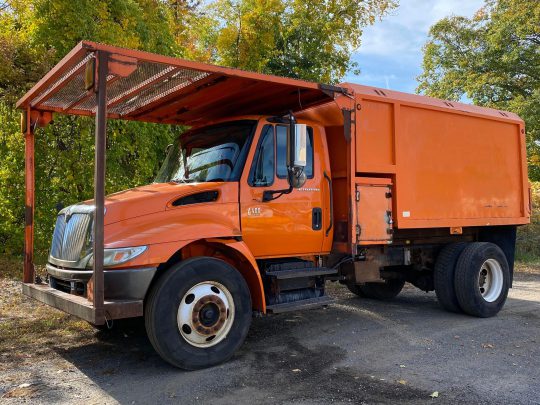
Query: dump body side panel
x: 457, y: 167
x: 450, y: 167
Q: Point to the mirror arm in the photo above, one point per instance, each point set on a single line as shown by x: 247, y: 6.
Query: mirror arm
x: 268, y: 195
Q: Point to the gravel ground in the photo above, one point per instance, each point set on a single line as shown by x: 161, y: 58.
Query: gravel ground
x: 354, y: 351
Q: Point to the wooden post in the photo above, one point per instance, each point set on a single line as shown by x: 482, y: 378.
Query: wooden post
x: 28, y: 271
x: 99, y: 180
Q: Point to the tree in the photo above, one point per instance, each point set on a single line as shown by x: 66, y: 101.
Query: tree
x: 33, y: 36
x: 492, y: 59
x: 308, y: 39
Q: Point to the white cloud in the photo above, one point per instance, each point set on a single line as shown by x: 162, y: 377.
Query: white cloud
x: 406, y: 29
x: 391, y: 50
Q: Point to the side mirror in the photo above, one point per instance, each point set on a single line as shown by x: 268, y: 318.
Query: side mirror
x: 297, y: 148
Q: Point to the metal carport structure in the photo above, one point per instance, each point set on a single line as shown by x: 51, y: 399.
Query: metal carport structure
x: 115, y: 83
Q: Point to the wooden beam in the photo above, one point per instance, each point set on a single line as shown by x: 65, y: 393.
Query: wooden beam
x: 99, y: 179
x: 28, y: 271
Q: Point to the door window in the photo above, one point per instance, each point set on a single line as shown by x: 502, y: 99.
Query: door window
x: 262, y: 169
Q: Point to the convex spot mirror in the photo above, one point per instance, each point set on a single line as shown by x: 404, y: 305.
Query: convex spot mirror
x: 297, y: 148
x: 298, y: 179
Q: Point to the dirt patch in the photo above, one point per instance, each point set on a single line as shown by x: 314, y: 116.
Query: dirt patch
x: 30, y: 330
x: 527, y: 268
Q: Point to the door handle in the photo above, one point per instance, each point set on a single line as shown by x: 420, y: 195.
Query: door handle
x: 331, y: 193
x: 316, y: 219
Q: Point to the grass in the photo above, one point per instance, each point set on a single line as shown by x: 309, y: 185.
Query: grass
x: 29, y: 329
x: 10, y: 268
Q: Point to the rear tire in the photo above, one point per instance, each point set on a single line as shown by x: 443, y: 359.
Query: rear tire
x: 444, y: 275
x: 198, y: 313
x: 379, y: 291
x: 482, y: 279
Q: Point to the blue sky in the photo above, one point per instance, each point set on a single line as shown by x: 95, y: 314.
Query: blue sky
x: 391, y: 52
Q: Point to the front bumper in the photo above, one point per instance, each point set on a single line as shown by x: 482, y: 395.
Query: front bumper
x: 81, y: 307
x: 119, y: 283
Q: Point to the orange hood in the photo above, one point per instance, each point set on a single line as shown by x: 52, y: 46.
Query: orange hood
x: 149, y: 199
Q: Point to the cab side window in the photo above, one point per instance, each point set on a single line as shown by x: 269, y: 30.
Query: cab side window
x: 262, y: 168
x: 281, y: 137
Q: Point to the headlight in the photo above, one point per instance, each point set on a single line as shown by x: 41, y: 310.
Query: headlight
x: 114, y: 257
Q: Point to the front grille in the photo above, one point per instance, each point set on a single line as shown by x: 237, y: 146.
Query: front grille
x: 71, y: 233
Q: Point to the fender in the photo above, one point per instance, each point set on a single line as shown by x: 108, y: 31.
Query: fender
x: 228, y: 248
x: 247, y: 265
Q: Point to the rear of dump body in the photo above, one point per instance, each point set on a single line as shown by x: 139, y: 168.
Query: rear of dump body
x: 445, y: 164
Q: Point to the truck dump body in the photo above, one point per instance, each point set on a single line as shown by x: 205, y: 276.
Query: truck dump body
x: 453, y: 165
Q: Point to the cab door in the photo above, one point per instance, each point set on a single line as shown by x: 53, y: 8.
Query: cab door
x: 292, y: 224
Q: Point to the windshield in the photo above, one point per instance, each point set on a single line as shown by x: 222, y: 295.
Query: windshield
x: 213, y: 153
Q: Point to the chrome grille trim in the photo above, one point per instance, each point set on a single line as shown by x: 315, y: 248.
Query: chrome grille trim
x: 58, y: 236
x: 75, y: 236
x: 71, y: 233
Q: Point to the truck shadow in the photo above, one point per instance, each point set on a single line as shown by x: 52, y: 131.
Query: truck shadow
x: 295, y: 357
x: 273, y: 366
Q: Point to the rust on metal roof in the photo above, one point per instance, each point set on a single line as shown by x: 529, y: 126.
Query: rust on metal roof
x: 149, y: 87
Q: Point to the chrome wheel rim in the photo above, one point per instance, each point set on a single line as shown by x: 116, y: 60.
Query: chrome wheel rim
x: 205, y: 314
x: 490, y: 280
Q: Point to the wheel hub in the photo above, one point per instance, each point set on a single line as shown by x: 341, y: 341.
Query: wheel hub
x: 490, y: 280
x: 209, y: 314
x: 205, y: 314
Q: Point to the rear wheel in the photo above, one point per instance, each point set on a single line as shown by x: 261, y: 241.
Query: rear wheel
x: 482, y: 279
x: 198, y: 313
x: 443, y: 276
x: 379, y: 291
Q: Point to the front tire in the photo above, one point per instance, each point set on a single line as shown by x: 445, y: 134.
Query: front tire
x: 198, y: 313
x: 482, y: 279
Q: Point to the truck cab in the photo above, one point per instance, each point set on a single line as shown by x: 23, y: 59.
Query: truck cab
x: 208, y: 195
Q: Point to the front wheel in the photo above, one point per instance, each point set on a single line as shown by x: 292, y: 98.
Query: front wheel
x: 198, y: 313
x: 482, y: 279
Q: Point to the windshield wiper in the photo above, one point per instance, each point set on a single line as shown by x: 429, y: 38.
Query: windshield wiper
x: 184, y: 180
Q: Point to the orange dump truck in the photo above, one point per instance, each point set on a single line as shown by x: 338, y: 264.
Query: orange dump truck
x: 278, y: 186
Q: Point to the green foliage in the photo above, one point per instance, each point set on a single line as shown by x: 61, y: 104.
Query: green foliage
x: 127, y: 23
x: 33, y: 36
x: 528, y: 237
x: 308, y: 39
x: 311, y: 39
x: 493, y: 59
